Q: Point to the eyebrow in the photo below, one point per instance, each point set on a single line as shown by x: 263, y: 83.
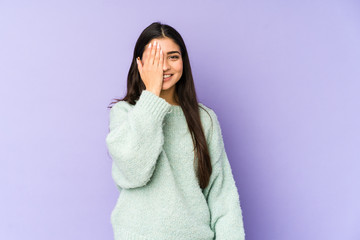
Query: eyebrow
x: 171, y: 52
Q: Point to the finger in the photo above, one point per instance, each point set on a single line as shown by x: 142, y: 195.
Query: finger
x: 161, y: 61
x: 152, y: 55
x: 157, y: 55
x: 147, y: 54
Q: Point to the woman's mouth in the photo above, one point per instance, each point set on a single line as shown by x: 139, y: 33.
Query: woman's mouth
x: 167, y: 77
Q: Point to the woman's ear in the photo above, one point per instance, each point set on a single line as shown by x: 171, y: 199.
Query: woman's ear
x: 139, y: 64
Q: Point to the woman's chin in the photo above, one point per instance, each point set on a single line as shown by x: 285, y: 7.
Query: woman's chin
x: 165, y: 84
x: 168, y: 84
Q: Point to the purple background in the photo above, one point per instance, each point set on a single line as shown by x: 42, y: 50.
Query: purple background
x: 282, y: 76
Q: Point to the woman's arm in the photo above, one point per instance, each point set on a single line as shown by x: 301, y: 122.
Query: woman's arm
x: 136, y: 138
x: 221, y: 193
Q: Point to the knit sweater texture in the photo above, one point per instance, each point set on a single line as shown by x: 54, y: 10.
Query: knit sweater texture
x: 153, y: 168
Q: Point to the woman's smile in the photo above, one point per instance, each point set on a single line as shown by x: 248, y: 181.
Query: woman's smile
x: 167, y: 77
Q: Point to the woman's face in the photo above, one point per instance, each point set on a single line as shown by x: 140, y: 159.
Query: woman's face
x: 173, y: 63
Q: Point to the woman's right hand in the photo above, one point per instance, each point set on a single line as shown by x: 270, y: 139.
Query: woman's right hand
x: 151, y: 68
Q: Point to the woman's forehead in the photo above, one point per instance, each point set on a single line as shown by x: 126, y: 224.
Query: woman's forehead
x: 166, y: 44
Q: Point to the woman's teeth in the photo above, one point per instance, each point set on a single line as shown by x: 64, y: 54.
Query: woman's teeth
x: 166, y: 76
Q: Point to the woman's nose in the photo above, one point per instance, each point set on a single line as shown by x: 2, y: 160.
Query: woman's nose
x: 166, y: 66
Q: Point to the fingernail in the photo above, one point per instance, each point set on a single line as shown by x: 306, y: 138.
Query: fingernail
x: 150, y: 45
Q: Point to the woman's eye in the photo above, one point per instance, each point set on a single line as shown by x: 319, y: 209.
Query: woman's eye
x: 174, y: 57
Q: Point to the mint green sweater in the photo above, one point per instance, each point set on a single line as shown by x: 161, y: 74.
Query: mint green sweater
x: 152, y: 166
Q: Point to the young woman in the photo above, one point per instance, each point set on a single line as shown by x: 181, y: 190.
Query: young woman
x: 169, y: 161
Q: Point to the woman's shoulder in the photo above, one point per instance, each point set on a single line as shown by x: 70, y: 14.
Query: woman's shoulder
x: 208, y: 118
x: 207, y: 113
x: 121, y: 105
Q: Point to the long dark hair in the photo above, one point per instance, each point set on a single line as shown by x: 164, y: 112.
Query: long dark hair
x: 185, y: 91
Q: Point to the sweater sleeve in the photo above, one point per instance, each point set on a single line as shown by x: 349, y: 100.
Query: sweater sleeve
x: 221, y: 194
x: 135, y: 139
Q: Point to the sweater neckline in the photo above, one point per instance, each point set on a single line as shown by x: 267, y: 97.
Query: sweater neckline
x: 175, y: 110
